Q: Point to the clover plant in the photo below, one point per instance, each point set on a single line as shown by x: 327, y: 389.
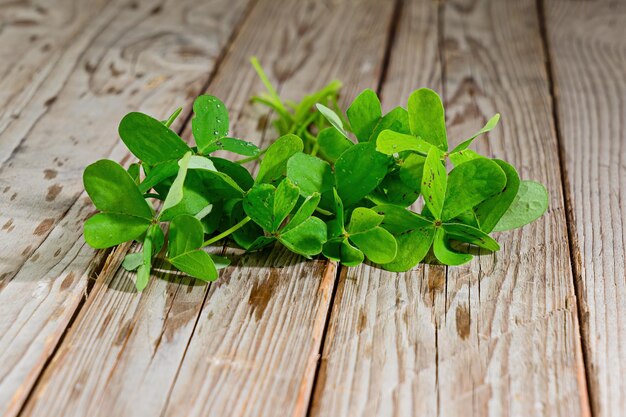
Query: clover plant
x: 354, y: 187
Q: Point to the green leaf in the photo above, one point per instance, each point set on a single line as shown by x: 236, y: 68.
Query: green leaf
x: 285, y: 199
x: 390, y: 143
x: 434, y: 182
x: 426, y: 117
x: 259, y: 205
x: 530, y: 203
x: 413, y: 233
x: 234, y: 145
x: 260, y: 243
x: 307, y: 238
x: 399, y: 220
x: 249, y: 233
x: 186, y: 238
x: 175, y: 194
x: 113, y: 190
x: 134, y: 171
x: 358, y: 171
x: 332, y: 143
x: 341, y: 250
x: 412, y: 171
x: 364, y: 114
x: 104, y: 230
x: 236, y: 172
x: 458, y: 158
x: 445, y: 254
x: 397, y: 192
x: 413, y: 246
x: 306, y: 209
x: 396, y: 120
x: 363, y: 219
x: 216, y: 184
x: 377, y: 244
x: 469, y: 234
x: 274, y: 162
x: 150, y: 140
x: 158, y: 174
x: 489, y: 212
x: 332, y: 118
x: 310, y: 174
x: 486, y: 128
x: 194, y: 200
x: 470, y: 184
x: 200, y: 162
x: 132, y: 261
x: 210, y: 121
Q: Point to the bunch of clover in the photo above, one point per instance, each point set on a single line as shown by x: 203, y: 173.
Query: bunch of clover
x: 343, y: 186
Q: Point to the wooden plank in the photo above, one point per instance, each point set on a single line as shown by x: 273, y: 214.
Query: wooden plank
x: 588, y: 56
x: 379, y: 354
x: 37, y: 39
x: 269, y: 354
x: 505, y: 329
x: 262, y: 322
x: 135, y: 49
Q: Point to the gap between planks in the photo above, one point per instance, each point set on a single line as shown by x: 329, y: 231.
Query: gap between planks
x: 587, y: 402
x: 108, y: 261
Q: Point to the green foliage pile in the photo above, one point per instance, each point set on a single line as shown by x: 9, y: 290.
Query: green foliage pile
x: 343, y: 186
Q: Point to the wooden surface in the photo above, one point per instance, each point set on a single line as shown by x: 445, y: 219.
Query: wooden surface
x: 587, y: 44
x: 536, y: 329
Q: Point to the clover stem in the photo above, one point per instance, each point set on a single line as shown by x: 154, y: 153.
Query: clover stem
x: 324, y: 212
x: 227, y: 232
x: 316, y: 147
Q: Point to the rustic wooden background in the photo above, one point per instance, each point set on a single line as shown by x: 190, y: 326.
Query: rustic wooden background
x: 537, y: 329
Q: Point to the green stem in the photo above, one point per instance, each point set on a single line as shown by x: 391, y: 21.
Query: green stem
x: 268, y: 85
x: 324, y: 212
x: 227, y: 232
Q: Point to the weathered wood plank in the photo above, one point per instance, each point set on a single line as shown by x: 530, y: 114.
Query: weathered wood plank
x: 380, y: 348
x: 588, y: 55
x: 500, y: 334
x: 259, y: 332
x: 264, y: 363
x: 129, y: 50
x: 35, y: 43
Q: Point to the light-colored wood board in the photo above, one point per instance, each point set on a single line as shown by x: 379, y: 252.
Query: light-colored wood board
x: 505, y: 330
x: 587, y: 44
x: 264, y: 364
x: 380, y: 347
x: 510, y: 341
x: 139, y: 50
x: 274, y: 301
x: 37, y: 39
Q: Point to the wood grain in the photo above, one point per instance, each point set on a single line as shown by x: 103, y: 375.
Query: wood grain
x: 259, y: 332
x: 500, y: 335
x: 588, y: 56
x: 380, y: 352
x: 127, y: 51
x: 263, y: 363
x: 39, y: 44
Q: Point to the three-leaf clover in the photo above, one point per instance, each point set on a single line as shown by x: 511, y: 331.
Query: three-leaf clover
x: 271, y: 208
x: 362, y: 237
x: 446, y: 196
x: 209, y: 126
